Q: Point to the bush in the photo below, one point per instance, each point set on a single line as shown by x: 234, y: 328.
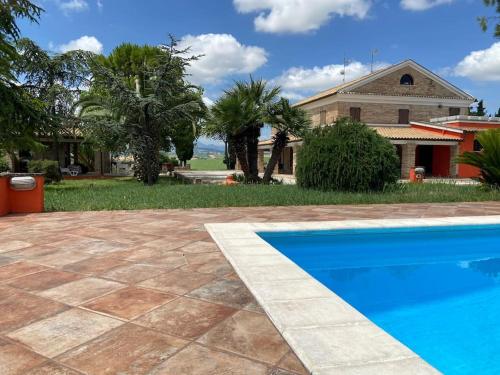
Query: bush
x: 4, y: 166
x: 165, y: 158
x: 48, y: 167
x: 348, y: 156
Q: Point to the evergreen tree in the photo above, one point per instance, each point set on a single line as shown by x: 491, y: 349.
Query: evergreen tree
x: 21, y: 115
x: 145, y: 98
x: 480, y: 110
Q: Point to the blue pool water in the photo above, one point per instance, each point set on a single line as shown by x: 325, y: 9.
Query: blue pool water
x: 435, y: 289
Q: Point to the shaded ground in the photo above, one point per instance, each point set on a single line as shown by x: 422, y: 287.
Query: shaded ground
x: 146, y: 291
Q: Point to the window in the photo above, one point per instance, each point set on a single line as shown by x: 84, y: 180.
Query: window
x: 404, y: 116
x: 477, y: 145
x: 355, y: 113
x: 406, y: 80
x: 454, y: 111
x: 322, y: 117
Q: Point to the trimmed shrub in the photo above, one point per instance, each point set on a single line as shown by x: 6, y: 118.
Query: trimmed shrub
x: 347, y: 156
x: 49, y: 168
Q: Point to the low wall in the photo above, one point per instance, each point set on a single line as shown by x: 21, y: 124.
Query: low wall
x: 28, y: 201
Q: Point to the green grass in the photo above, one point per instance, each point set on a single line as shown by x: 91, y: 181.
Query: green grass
x: 207, y: 164
x: 128, y: 194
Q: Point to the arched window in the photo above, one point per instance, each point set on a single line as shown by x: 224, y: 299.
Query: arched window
x: 406, y: 80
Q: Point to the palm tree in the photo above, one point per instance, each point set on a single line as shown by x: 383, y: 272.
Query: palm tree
x: 287, y: 120
x: 259, y: 98
x: 229, y: 118
x: 488, y: 159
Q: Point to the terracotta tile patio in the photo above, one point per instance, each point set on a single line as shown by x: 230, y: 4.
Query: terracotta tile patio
x: 147, y: 292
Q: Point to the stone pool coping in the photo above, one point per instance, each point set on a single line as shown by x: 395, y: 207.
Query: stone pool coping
x: 326, y: 333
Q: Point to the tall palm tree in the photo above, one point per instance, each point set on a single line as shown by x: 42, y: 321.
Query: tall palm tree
x: 287, y: 120
x: 229, y: 118
x: 487, y: 160
x: 259, y: 97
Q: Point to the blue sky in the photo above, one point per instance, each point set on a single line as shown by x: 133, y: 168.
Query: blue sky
x: 299, y: 44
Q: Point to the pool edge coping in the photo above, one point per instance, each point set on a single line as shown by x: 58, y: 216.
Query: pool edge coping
x: 336, y: 337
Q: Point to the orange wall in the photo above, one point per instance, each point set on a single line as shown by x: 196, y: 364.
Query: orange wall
x: 12, y: 201
x: 441, y: 161
x: 467, y: 171
x: 4, y: 196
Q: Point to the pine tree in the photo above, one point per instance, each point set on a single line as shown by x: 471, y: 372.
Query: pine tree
x: 480, y: 110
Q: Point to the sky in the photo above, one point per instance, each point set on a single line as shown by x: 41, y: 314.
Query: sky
x: 300, y: 45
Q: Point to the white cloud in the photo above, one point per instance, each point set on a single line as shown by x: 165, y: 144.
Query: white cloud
x: 100, y: 4
x: 222, y: 56
x: 208, y: 102
x: 86, y: 43
x: 73, y: 5
x: 298, y: 82
x: 299, y: 16
x: 482, y: 65
x: 418, y: 5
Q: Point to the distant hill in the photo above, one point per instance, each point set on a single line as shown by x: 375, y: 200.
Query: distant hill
x: 205, y: 148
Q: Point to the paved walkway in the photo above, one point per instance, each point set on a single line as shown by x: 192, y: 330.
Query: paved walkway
x: 146, y: 292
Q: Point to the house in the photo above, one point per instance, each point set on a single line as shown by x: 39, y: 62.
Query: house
x: 70, y: 149
x: 423, y: 116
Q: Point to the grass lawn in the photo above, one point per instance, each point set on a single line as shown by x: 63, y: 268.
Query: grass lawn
x: 128, y: 194
x: 207, y: 164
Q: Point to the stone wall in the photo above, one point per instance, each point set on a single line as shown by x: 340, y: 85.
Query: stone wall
x: 374, y: 113
x: 389, y: 85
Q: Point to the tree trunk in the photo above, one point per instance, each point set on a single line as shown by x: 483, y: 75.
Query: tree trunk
x: 241, y: 154
x: 252, y: 152
x: 13, y: 160
x: 279, y: 144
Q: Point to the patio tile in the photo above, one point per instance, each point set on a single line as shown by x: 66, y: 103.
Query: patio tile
x: 198, y: 360
x: 129, y: 302
x: 18, y: 308
x: 218, y: 267
x: 64, y: 331
x: 228, y: 292
x: 17, y: 360
x: 292, y: 363
x: 129, y: 349
x: 49, y: 368
x: 94, y: 266
x: 185, y: 317
x: 6, y: 260
x: 200, y: 247
x: 167, y: 244
x: 133, y: 273
x: 178, y: 282
x: 44, y: 280
x: 18, y: 269
x: 77, y: 292
x: 169, y: 260
x: 60, y: 258
x: 13, y: 245
x: 250, y: 334
x: 88, y: 245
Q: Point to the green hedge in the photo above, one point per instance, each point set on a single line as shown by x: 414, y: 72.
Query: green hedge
x: 48, y: 167
x: 348, y: 156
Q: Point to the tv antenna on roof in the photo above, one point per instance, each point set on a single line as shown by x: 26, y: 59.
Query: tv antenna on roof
x: 373, y: 52
x: 343, y: 71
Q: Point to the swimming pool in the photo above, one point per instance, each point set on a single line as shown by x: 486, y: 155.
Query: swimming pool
x: 436, y: 289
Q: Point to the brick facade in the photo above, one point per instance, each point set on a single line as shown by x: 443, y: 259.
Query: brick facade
x: 389, y: 85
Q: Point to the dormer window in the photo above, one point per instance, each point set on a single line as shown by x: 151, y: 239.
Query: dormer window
x: 406, y: 80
